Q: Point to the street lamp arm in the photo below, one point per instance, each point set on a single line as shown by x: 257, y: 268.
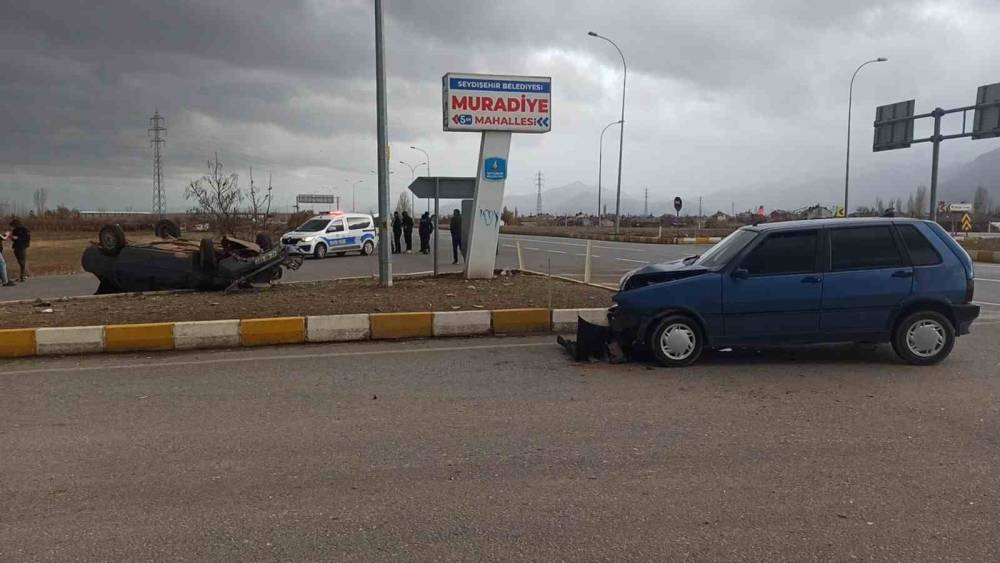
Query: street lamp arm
x: 850, y: 104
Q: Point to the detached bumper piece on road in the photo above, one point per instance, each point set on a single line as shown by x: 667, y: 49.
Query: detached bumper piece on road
x: 593, y: 341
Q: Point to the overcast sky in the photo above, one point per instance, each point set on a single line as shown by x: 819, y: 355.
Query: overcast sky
x: 722, y: 94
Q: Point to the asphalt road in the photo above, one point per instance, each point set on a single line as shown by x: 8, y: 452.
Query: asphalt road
x: 560, y: 256
x: 501, y: 449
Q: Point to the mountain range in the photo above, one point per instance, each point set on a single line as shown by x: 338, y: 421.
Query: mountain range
x: 956, y: 183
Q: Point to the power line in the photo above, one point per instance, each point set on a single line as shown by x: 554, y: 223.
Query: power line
x: 538, y: 203
x: 158, y: 132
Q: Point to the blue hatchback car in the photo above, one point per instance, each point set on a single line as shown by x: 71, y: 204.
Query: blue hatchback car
x: 903, y: 281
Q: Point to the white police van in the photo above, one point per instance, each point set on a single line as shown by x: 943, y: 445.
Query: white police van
x: 335, y: 232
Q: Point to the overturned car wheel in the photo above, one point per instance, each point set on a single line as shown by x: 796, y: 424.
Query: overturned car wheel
x: 111, y: 239
x: 165, y: 228
x: 207, y: 260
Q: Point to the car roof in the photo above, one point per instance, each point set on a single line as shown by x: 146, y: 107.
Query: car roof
x: 832, y: 222
x: 340, y: 216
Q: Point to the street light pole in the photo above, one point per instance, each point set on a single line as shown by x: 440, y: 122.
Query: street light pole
x: 850, y: 101
x: 621, y: 138
x: 600, y: 169
x: 354, y: 196
x: 413, y: 176
x: 382, y: 134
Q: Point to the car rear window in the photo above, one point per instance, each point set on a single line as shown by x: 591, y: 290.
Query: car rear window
x: 863, y: 248
x: 921, y: 250
x: 783, y: 253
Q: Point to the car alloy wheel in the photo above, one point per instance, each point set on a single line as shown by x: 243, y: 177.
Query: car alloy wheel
x: 677, y: 341
x: 925, y: 338
x: 368, y: 248
x: 320, y: 251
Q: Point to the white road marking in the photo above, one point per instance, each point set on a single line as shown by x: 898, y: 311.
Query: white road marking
x: 556, y: 251
x: 277, y: 357
x: 530, y: 248
x: 630, y: 260
x: 592, y: 255
x: 987, y: 303
x: 988, y: 280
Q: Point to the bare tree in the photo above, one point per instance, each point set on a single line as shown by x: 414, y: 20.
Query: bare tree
x: 404, y: 204
x: 40, y: 197
x: 217, y: 197
x: 899, y: 206
x: 260, y: 205
x: 921, y: 205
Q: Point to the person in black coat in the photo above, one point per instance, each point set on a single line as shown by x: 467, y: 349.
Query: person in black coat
x: 22, y: 240
x: 455, y: 226
x: 397, y: 230
x: 408, y: 231
x: 425, y: 229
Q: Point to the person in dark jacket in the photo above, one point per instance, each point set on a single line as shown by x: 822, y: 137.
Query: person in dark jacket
x: 397, y: 230
x: 455, y: 226
x: 425, y: 230
x: 22, y: 240
x: 408, y: 231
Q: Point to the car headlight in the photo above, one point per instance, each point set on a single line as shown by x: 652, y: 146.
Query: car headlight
x: 307, y: 239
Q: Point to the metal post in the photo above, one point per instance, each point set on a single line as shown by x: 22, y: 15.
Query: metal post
x: 437, y: 221
x: 384, y: 260
x: 600, y: 168
x: 937, y: 113
x: 586, y: 265
x: 621, y: 139
x: 520, y: 257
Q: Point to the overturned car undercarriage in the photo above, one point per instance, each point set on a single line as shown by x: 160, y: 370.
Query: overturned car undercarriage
x: 176, y: 263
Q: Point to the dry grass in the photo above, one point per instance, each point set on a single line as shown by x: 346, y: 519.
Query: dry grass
x: 51, y: 256
x: 981, y: 244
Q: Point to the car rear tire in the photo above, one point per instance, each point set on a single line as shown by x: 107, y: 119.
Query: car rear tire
x: 367, y: 248
x: 924, y: 338
x: 677, y: 341
x: 165, y: 228
x: 111, y: 239
x: 207, y: 259
x: 319, y: 251
x: 263, y: 240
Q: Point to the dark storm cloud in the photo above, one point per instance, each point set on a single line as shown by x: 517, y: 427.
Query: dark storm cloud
x: 288, y: 85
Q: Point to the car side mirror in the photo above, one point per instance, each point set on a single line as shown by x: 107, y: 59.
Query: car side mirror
x: 741, y: 273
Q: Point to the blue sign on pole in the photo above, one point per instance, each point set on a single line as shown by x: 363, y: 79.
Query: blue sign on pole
x: 495, y: 169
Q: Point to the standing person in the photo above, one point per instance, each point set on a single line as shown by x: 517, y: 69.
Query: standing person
x: 408, y: 231
x: 397, y: 230
x: 4, y: 280
x: 455, y: 226
x: 22, y: 240
x: 425, y: 230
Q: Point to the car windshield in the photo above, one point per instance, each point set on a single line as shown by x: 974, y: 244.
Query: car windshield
x: 313, y: 225
x: 720, y: 254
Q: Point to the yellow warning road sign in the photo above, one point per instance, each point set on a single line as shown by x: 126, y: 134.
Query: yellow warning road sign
x: 966, y: 222
x: 840, y: 212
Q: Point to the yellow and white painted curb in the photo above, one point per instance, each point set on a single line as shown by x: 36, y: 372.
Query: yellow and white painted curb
x: 26, y: 342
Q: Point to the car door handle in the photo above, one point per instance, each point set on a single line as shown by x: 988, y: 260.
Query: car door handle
x: 812, y: 279
x: 902, y: 274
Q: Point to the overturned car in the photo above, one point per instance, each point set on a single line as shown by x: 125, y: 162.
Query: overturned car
x: 171, y: 262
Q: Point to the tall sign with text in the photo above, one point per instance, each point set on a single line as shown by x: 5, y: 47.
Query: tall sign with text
x: 495, y: 106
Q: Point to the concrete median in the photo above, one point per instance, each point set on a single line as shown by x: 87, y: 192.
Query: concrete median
x: 521, y: 320
x: 206, y: 334
x: 337, y: 328
x: 401, y: 325
x: 279, y: 330
x: 70, y: 340
x: 457, y: 323
x: 139, y: 337
x: 17, y: 342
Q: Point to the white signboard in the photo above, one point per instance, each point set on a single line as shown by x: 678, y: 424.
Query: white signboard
x: 960, y: 207
x: 487, y: 102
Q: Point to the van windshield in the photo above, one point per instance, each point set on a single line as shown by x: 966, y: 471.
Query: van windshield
x: 720, y: 254
x: 312, y: 225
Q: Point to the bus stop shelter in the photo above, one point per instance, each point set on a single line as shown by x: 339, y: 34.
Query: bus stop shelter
x: 446, y: 187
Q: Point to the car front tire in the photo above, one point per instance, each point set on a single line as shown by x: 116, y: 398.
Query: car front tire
x: 319, y: 251
x: 368, y: 248
x: 924, y: 338
x: 677, y: 341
